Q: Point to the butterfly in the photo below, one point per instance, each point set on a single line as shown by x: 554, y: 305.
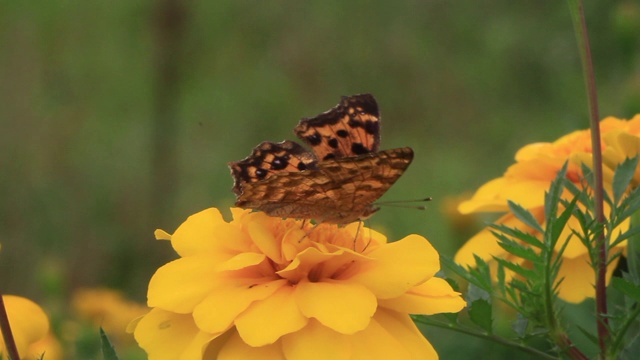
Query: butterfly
x: 337, y: 182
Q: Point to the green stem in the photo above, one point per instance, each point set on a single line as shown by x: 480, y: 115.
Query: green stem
x: 580, y: 26
x: 482, y: 335
x: 7, y: 335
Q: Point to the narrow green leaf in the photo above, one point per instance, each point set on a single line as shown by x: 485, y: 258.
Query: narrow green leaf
x: 518, y: 269
x: 519, y: 285
x: 480, y: 314
x: 524, y: 215
x: 588, y: 335
x: 622, y: 177
x: 520, y: 251
x: 587, y: 174
x: 633, y: 231
x: 632, y: 205
x: 558, y: 224
x: 501, y: 277
x: 517, y: 234
x: 448, y: 263
x: 626, y: 287
x: 108, y: 351
x: 552, y: 197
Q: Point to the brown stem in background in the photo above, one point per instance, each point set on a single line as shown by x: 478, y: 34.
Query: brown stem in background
x: 169, y: 24
x: 7, y: 335
x: 580, y: 25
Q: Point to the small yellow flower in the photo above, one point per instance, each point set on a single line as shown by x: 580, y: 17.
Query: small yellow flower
x: 110, y: 310
x: 29, y: 324
x: 525, y: 183
x: 260, y: 287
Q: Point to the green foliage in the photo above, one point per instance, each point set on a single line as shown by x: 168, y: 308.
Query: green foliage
x: 108, y: 351
x: 534, y: 263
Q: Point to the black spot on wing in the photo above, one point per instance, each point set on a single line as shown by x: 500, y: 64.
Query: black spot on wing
x: 358, y: 149
x: 313, y: 139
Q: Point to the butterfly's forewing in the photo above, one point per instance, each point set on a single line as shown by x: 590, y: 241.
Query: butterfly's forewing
x: 338, y: 191
x: 351, y: 128
x: 268, y: 159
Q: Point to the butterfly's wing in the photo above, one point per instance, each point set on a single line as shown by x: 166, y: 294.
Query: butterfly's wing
x: 351, y: 128
x: 338, y: 191
x: 268, y: 159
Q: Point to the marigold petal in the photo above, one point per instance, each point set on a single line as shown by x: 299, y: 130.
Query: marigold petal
x: 161, y: 235
x: 345, y: 308
x: 579, y: 279
x: 316, y: 341
x: 217, y: 311
x: 434, y: 296
x: 391, y: 335
x: 265, y: 321
x: 385, y: 278
x: 236, y: 349
x: 29, y: 323
x: 166, y: 335
x: 264, y: 239
x: 311, y: 258
x: 195, y: 234
x: 181, y: 284
x: 485, y: 245
x: 241, y: 261
x: 486, y: 198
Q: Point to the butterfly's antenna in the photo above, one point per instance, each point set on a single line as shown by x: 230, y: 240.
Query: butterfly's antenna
x: 403, y: 203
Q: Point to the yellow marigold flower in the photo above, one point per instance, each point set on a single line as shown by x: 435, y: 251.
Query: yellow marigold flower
x: 49, y: 346
x: 260, y: 287
x: 29, y: 324
x: 525, y: 183
x: 110, y: 310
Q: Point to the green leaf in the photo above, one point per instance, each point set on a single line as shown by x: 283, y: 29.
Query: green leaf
x: 588, y: 335
x: 626, y: 287
x: 480, y: 314
x: 520, y: 251
x: 557, y: 225
x: 108, y: 351
x: 631, y: 204
x: 517, y: 234
x: 518, y: 269
x: 622, y: 177
x: 552, y: 197
x: 633, y: 231
x: 448, y: 263
x: 524, y: 215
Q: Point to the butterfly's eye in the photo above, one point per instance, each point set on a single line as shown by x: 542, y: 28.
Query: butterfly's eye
x: 261, y: 173
x: 302, y: 166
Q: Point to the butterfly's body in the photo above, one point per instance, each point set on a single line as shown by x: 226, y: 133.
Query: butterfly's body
x: 338, y: 182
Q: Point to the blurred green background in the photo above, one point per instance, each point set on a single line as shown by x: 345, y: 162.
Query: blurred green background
x: 119, y: 117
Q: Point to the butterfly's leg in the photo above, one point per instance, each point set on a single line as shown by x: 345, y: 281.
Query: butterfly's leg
x: 368, y: 242
x: 355, y: 239
x: 306, y: 233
